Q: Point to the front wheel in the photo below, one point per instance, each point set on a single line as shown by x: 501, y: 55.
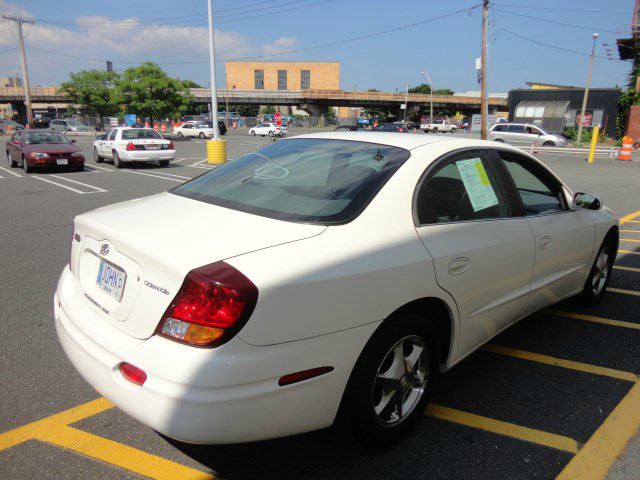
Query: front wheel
x: 453, y: 130
x: 435, y: 130
x: 548, y: 144
x: 598, y: 279
x: 25, y: 165
x: 12, y: 163
x: 253, y: 134
x: 390, y: 385
x: 202, y: 135
x: 271, y: 134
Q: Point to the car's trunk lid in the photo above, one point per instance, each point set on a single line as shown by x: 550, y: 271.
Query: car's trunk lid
x: 150, y: 244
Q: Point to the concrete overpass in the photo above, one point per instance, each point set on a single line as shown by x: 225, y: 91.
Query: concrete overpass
x: 313, y: 101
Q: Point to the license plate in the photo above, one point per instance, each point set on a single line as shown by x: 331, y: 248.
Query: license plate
x: 153, y: 147
x: 111, y: 279
x: 62, y: 161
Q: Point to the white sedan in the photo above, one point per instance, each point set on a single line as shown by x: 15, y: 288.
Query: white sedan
x: 328, y: 272
x: 270, y: 129
x: 126, y: 144
x: 193, y: 129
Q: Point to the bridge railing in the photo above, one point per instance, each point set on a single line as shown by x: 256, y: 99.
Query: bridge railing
x: 35, y: 91
x: 395, y: 97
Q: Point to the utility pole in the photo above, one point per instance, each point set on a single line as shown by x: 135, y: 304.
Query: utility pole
x: 25, y: 75
x: 586, y: 90
x: 483, y: 89
x: 406, y: 103
x: 226, y: 84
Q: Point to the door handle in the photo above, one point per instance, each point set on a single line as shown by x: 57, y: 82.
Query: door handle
x: 459, y: 265
x: 545, y: 242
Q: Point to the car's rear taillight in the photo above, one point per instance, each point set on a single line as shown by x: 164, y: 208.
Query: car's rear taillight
x: 213, y: 304
x: 171, y: 147
x: 130, y: 146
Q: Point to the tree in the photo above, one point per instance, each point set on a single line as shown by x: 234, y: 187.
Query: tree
x: 426, y: 89
x: 147, y: 90
x: 443, y: 91
x: 268, y: 109
x: 248, y: 110
x: 377, y: 112
x: 330, y: 113
x: 93, y: 90
x: 190, y: 84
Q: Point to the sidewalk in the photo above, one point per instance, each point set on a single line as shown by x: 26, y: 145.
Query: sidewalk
x: 627, y: 466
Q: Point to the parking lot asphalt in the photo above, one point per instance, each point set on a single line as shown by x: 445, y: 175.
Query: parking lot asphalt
x: 554, y: 396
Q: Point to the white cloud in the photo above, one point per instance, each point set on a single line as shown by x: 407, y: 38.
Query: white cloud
x: 281, y: 44
x: 127, y: 40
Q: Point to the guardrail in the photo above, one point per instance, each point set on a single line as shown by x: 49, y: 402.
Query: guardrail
x: 611, y: 152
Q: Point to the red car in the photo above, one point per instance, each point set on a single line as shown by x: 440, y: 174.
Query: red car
x: 43, y: 148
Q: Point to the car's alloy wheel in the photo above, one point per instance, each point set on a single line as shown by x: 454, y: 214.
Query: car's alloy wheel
x: 12, y: 163
x: 596, y: 284
x: 253, y: 134
x: 27, y: 168
x: 401, y: 380
x: 453, y: 130
x: 202, y: 135
x: 601, y: 273
x: 180, y: 135
x: 116, y: 160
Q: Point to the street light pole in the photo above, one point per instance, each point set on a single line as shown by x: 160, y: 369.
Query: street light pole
x: 25, y: 74
x: 212, y: 62
x: 406, y: 103
x: 586, y: 89
x: 426, y: 74
x: 226, y: 84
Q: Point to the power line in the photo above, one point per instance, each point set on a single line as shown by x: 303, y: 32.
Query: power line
x: 570, y: 10
x: 305, y: 49
x: 592, y: 29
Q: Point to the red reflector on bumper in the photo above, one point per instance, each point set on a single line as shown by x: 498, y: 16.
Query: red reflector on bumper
x: 132, y: 373
x: 304, y: 375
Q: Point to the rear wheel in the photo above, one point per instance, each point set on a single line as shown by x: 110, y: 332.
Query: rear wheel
x: 271, y: 133
x: 598, y: 279
x: 548, y: 144
x: 389, y: 388
x: 253, y: 133
x: 164, y: 163
x: 12, y: 163
x: 116, y: 160
x: 96, y: 156
x: 180, y: 135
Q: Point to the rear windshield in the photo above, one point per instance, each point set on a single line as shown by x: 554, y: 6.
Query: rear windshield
x: 134, y: 133
x: 302, y: 180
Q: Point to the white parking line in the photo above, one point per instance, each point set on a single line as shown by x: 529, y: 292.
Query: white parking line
x: 97, y: 189
x: 171, y: 175
x: 60, y: 185
x: 156, y: 176
x: 102, y: 168
x: 9, y: 171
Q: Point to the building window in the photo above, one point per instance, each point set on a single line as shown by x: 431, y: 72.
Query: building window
x: 305, y: 79
x: 282, y: 79
x: 259, y: 79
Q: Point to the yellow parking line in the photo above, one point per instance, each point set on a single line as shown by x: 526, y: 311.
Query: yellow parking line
x: 121, y: 455
x: 632, y: 221
x: 622, y: 290
x: 630, y: 231
x: 531, y: 435
x: 629, y: 251
x: 31, y: 430
x: 559, y: 362
x: 590, y: 318
x: 635, y: 240
x: 631, y: 269
x: 595, y: 459
x: 630, y: 217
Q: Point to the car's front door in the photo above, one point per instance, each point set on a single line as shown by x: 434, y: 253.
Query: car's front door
x: 14, y: 147
x: 482, y: 251
x: 107, y: 145
x: 563, y: 237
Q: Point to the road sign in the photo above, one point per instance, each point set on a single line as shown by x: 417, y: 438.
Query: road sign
x: 278, y: 118
x: 586, y: 121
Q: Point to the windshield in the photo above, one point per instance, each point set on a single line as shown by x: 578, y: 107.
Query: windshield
x: 139, y: 133
x: 33, y: 138
x: 73, y: 122
x: 10, y: 122
x: 302, y: 180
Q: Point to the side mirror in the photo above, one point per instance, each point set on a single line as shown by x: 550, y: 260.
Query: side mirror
x: 586, y: 200
x: 73, y: 141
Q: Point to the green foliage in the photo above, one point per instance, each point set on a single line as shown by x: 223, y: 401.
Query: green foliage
x: 268, y: 109
x: 190, y: 84
x: 443, y: 91
x: 331, y: 113
x: 93, y: 90
x: 379, y: 113
x: 248, y: 110
x: 422, y: 88
x: 627, y: 98
x: 571, y: 133
x: 147, y: 90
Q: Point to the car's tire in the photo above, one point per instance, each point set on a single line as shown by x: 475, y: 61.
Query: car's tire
x: 453, y: 130
x: 435, y: 130
x: 548, y: 143
x: 426, y: 130
x: 80, y: 168
x: 596, y: 285
x: 201, y: 135
x: 164, y: 163
x: 369, y: 405
x: 253, y: 133
x: 180, y: 135
x: 116, y: 160
x: 96, y: 157
x: 27, y: 168
x: 271, y: 134
x: 12, y: 163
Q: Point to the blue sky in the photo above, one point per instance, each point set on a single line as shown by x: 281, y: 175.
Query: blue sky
x: 169, y: 31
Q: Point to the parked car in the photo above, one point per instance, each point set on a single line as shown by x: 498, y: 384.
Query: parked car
x: 390, y: 127
x: 525, y: 133
x: 40, y: 148
x: 41, y: 122
x: 9, y: 126
x: 439, y: 126
x: 213, y: 311
x: 126, y: 144
x: 193, y: 129
x: 349, y: 128
x: 267, y: 128
x: 222, y: 128
x: 67, y: 125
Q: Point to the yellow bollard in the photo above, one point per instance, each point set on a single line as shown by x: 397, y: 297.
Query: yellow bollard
x: 594, y: 142
x: 217, y: 152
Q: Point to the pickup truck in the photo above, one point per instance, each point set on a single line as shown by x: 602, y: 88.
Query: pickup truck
x: 442, y: 126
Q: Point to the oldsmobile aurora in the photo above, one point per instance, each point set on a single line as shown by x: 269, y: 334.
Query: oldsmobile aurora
x: 336, y: 272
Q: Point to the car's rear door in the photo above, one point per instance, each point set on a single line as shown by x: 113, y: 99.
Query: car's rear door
x: 564, y: 237
x: 483, y: 251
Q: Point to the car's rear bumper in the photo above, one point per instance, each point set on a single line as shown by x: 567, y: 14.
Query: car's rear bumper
x: 146, y: 155
x: 228, y: 394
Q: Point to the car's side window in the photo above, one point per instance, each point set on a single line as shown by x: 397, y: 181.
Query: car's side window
x: 112, y: 134
x: 538, y: 190
x: 463, y: 187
